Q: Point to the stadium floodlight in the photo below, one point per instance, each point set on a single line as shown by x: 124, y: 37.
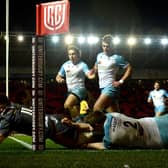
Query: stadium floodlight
x: 69, y: 39
x: 116, y: 40
x: 92, y: 40
x: 5, y: 37
x: 131, y: 41
x: 81, y: 39
x: 55, y: 39
x: 20, y: 38
x: 147, y: 41
x: 164, y: 41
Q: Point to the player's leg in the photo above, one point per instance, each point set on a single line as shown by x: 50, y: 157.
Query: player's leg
x: 108, y: 100
x: 102, y: 103
x: 113, y: 107
x: 160, y: 110
x: 72, y: 105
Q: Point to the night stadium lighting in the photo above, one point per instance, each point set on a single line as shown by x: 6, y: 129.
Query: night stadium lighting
x: 81, y: 39
x: 55, y: 39
x: 131, y: 41
x: 164, y: 41
x: 147, y: 41
x: 20, y: 38
x: 92, y: 40
x: 5, y: 37
x: 69, y: 39
x: 116, y: 40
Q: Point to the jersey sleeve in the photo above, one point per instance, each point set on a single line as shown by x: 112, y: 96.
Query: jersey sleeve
x: 61, y: 71
x: 4, y: 127
x: 85, y: 68
x: 7, y: 118
x: 150, y: 95
x: 98, y: 58
x: 121, y: 62
x: 165, y: 93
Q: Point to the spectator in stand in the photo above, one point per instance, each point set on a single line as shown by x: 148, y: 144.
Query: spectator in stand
x: 158, y: 97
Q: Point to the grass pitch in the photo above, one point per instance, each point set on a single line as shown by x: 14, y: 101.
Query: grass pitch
x: 13, y: 154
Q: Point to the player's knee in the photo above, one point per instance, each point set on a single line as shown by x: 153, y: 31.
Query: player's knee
x: 97, y: 108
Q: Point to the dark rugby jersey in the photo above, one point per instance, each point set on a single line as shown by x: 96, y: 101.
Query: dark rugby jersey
x: 17, y: 118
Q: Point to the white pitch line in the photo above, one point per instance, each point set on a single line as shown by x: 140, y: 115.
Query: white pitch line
x: 27, y: 145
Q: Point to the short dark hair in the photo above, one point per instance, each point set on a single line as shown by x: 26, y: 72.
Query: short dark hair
x: 4, y: 99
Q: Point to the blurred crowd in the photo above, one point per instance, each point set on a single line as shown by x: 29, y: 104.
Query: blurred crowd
x: 133, y: 96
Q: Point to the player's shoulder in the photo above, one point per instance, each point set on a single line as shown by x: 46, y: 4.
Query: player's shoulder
x: 67, y: 63
x: 100, y: 54
x: 163, y: 90
x: 83, y: 63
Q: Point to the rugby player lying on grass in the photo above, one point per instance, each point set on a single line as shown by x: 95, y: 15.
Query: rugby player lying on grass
x: 14, y: 117
x: 125, y: 132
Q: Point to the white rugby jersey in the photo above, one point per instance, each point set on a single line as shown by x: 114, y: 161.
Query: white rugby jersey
x: 158, y: 97
x: 75, y: 74
x: 123, y: 131
x: 108, y: 67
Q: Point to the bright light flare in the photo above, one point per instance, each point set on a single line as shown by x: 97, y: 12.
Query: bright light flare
x: 92, y: 40
x: 131, y: 41
x: 147, y: 41
x: 116, y: 40
x: 20, y: 38
x: 164, y: 41
x: 81, y: 39
x: 69, y: 39
x: 55, y: 39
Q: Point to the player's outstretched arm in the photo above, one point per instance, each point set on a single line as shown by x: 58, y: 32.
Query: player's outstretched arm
x: 80, y: 126
x: 95, y: 145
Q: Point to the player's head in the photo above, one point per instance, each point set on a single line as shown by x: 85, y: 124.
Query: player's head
x: 74, y: 53
x: 107, y: 44
x: 157, y: 85
x: 4, y: 101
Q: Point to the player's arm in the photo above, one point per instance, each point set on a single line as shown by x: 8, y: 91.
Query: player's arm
x: 149, y: 100
x: 60, y: 79
x: 127, y: 73
x: 95, y: 145
x: 92, y: 73
x: 2, y: 138
x: 80, y: 126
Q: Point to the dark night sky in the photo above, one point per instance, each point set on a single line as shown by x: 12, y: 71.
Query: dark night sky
x: 121, y: 16
x: 139, y: 17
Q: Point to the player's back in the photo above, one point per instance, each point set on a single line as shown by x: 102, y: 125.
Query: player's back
x: 125, y: 131
x: 162, y: 124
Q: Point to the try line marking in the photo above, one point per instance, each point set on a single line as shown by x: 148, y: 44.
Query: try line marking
x: 27, y: 145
